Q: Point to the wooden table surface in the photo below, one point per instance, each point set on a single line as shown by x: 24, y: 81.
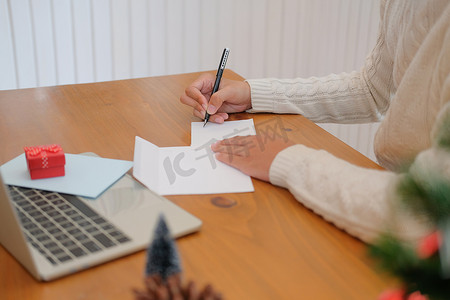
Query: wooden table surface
x: 266, y: 246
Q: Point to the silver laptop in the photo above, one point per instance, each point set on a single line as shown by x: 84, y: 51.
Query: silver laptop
x: 53, y: 234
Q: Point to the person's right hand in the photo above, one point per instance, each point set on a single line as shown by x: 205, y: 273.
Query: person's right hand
x: 232, y: 96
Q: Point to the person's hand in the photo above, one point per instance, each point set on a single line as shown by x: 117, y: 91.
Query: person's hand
x: 253, y: 155
x: 232, y: 96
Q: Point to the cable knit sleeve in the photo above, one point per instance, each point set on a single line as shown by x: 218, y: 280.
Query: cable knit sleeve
x: 355, y: 199
x: 356, y: 97
x: 358, y: 200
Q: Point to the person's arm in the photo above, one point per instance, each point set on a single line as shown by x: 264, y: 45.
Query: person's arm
x: 361, y: 201
x: 355, y: 199
x: 354, y: 97
x: 342, y: 98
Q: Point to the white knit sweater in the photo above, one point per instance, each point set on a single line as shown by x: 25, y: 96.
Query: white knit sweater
x: 405, y: 83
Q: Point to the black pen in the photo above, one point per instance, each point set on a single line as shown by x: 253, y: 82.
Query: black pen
x: 222, y: 64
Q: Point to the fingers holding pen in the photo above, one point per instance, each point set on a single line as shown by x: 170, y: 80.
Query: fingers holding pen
x: 217, y: 115
x: 216, y: 118
x: 199, y: 113
x: 197, y: 96
x: 198, y: 92
x: 233, y: 96
x: 194, y: 98
x: 214, y: 103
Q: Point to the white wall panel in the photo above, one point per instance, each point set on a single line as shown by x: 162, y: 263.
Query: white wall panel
x: 157, y: 36
x: 242, y: 32
x: 175, y: 29
x: 24, y: 46
x: 289, y: 33
x: 274, y: 31
x: 83, y: 41
x: 302, y: 41
x: 257, y: 39
x: 102, y: 39
x: 208, y: 35
x: 8, y: 76
x: 191, y: 37
x: 63, y: 31
x: 139, y: 37
x: 121, y: 38
x: 42, y: 25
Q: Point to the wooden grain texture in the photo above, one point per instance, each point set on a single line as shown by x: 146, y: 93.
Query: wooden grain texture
x: 266, y: 246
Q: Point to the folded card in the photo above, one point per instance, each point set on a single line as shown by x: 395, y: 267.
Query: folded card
x: 192, y: 169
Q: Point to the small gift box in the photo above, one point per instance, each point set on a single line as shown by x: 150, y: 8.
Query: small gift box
x: 45, y: 161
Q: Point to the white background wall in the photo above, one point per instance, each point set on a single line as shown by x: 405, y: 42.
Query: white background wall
x: 53, y: 42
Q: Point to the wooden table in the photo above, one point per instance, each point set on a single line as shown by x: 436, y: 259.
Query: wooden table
x: 266, y: 246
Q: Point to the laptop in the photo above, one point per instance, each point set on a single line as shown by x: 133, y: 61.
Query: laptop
x: 54, y: 235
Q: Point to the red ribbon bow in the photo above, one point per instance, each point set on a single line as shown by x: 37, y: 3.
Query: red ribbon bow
x: 33, y: 151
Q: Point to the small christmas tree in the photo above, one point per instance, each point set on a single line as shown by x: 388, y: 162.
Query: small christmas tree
x: 163, y: 272
x: 162, y: 255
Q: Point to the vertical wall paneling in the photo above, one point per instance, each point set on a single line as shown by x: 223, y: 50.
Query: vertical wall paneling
x: 210, y: 50
x: 328, y: 30
x: 42, y: 24
x: 8, y: 77
x: 282, y: 38
x: 175, y: 29
x: 121, y: 39
x: 257, y: 38
x: 21, y: 27
x: 241, y: 42
x: 139, y: 36
x: 341, y: 34
x: 274, y: 31
x: 333, y: 55
x: 191, y: 37
x: 83, y: 41
x: 63, y: 41
x: 225, y: 32
x: 157, y: 36
x: 102, y: 39
x: 302, y: 42
x: 318, y: 35
x: 289, y: 33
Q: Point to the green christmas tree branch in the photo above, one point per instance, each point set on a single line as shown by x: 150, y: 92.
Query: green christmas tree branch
x: 431, y: 197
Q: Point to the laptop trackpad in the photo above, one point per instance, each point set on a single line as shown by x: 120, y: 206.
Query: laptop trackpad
x: 126, y: 196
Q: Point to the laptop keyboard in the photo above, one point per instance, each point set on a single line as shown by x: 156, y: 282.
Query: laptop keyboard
x: 61, y: 227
